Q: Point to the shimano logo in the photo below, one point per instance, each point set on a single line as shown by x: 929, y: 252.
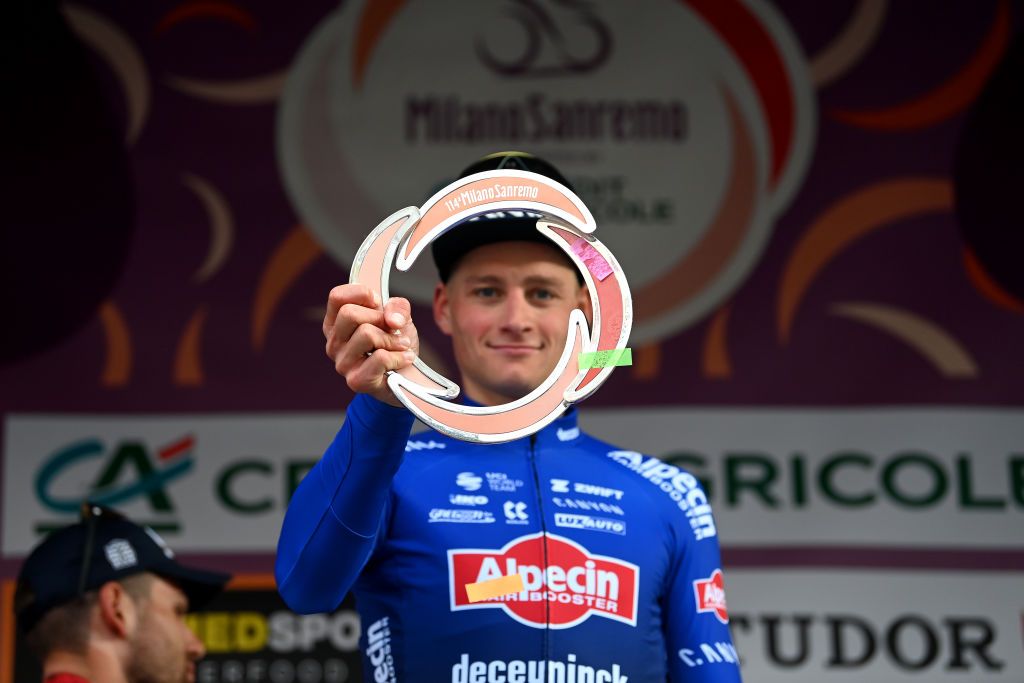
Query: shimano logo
x: 422, y: 445
x: 528, y: 670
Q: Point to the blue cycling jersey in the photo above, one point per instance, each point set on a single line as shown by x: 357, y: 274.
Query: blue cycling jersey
x: 617, y: 552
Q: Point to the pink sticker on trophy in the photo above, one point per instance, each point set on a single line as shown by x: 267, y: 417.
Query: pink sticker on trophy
x: 596, y: 264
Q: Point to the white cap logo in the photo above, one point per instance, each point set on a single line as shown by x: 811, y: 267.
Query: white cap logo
x: 120, y: 554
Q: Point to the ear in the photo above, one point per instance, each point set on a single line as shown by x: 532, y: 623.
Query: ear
x: 117, y: 609
x: 442, y: 309
x: 584, y: 304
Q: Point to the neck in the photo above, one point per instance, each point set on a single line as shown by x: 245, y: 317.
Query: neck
x: 483, y: 396
x: 92, y: 666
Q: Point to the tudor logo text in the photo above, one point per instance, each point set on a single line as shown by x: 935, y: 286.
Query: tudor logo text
x: 575, y: 584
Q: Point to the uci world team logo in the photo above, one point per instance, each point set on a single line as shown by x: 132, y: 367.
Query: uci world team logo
x: 117, y: 474
x: 685, y: 126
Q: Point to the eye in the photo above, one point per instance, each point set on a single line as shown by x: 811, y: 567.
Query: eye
x: 485, y: 292
x: 543, y: 294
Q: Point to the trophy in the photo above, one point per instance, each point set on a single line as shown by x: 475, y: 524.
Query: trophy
x: 589, y: 356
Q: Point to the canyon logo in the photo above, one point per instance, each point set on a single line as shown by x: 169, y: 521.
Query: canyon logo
x: 575, y: 584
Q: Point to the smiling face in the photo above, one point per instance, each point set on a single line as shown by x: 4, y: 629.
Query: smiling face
x: 506, y: 307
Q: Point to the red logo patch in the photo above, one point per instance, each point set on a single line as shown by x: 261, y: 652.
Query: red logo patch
x: 574, y: 585
x: 710, y: 594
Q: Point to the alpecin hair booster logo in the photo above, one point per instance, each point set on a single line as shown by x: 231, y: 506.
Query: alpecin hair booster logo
x: 574, y: 585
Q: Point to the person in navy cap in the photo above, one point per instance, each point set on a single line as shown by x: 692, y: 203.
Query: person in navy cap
x: 104, y: 601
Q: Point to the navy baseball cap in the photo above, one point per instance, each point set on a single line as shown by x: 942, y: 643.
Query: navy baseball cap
x: 103, y: 546
x: 496, y: 226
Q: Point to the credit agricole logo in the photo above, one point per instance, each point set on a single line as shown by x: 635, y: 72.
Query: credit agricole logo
x: 115, y: 474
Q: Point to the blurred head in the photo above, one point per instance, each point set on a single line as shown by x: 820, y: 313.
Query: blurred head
x: 137, y: 622
x: 106, y: 589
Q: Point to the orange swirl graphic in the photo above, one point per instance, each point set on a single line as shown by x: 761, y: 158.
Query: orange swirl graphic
x: 117, y: 369
x: 851, y: 44
x: 290, y: 259
x: 188, y: 367
x: 928, y: 339
x: 207, y: 9
x: 711, y: 254
x: 7, y: 627
x: 375, y: 18
x: 715, y: 357
x: 262, y: 89
x: 647, y: 362
x: 988, y: 287
x: 948, y: 99
x: 846, y: 221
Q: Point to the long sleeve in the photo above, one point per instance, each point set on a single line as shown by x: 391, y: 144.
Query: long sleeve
x: 700, y: 648
x: 332, y: 521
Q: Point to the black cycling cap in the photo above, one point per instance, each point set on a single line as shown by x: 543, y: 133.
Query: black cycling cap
x: 103, y: 546
x: 496, y: 226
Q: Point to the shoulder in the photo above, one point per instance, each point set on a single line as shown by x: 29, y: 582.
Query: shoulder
x: 427, y: 450
x: 674, y: 486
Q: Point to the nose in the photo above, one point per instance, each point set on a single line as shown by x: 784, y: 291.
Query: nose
x: 193, y: 645
x: 516, y: 314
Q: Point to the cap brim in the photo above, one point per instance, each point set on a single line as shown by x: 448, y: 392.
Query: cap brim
x: 200, y: 586
x: 449, y: 248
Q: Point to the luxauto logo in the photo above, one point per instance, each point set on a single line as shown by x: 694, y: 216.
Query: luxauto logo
x: 574, y: 585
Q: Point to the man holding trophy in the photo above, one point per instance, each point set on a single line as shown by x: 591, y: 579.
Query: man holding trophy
x: 505, y: 545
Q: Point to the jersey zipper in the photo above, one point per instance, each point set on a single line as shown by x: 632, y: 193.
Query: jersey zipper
x: 538, y: 491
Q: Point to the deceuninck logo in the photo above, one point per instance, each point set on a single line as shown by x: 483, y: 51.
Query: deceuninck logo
x: 720, y: 90
x: 573, y: 584
x: 128, y: 471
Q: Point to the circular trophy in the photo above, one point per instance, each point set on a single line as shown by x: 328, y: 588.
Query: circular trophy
x: 590, y: 355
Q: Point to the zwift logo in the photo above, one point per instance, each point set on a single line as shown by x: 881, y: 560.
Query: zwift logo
x: 125, y: 473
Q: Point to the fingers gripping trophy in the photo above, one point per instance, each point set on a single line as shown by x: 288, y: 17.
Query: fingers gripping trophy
x: 592, y: 348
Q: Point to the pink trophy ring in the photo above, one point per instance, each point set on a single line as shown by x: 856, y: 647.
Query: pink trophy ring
x: 589, y: 356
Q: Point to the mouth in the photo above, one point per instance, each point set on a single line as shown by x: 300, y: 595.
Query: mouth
x: 514, y: 349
